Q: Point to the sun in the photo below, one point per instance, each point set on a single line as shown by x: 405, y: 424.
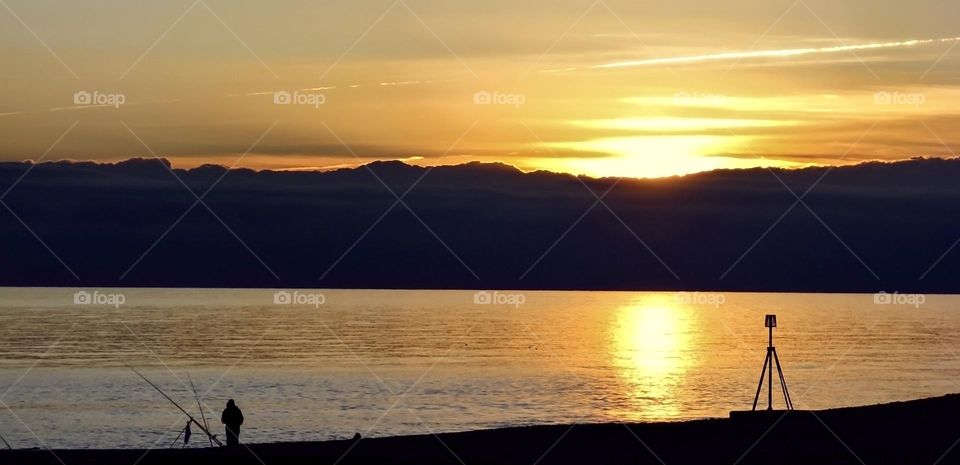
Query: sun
x: 651, y: 156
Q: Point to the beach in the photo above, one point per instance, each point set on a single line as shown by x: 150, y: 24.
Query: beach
x: 918, y: 431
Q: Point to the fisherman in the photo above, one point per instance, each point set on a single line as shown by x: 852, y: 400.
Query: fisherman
x: 232, y: 417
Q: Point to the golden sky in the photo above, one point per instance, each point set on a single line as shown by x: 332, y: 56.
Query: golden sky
x: 603, y: 88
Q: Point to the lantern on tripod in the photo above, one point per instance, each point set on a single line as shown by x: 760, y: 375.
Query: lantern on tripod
x: 770, y: 322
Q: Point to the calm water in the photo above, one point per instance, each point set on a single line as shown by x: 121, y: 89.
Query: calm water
x: 399, y: 362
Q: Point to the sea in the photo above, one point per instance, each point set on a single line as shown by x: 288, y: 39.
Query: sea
x: 319, y: 364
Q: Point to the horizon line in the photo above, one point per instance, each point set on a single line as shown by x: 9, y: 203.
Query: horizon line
x: 405, y: 162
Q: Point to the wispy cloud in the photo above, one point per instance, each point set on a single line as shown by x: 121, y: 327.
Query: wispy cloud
x: 757, y: 54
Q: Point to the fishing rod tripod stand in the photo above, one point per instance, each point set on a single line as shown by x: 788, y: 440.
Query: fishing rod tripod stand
x: 203, y: 426
x: 770, y: 322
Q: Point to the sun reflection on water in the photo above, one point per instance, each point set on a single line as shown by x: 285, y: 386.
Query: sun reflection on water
x: 651, y: 352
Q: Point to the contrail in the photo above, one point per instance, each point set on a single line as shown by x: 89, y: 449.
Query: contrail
x: 783, y: 53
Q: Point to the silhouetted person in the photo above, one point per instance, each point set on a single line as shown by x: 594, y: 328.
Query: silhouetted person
x: 232, y: 417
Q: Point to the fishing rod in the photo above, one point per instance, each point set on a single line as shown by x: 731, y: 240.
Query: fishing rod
x: 203, y: 416
x: 189, y: 417
x: 5, y: 442
x: 177, y: 439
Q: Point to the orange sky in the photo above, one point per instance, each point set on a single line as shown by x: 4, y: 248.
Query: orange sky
x: 598, y: 88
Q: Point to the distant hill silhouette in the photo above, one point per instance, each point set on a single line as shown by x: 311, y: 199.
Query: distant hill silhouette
x: 482, y: 226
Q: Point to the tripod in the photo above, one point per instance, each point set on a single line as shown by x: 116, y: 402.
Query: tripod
x: 770, y: 321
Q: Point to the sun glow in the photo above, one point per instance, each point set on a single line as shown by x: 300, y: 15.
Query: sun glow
x: 653, y: 156
x: 680, y: 124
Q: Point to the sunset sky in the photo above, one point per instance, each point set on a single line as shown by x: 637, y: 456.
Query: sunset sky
x: 603, y: 88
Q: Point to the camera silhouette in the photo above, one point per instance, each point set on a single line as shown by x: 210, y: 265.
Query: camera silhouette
x: 482, y: 98
x: 483, y: 298
x: 882, y: 298
x: 282, y: 298
x: 282, y: 98
x: 81, y: 298
x: 82, y: 98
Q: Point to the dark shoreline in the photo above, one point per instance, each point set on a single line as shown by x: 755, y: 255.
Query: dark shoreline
x: 917, y: 431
